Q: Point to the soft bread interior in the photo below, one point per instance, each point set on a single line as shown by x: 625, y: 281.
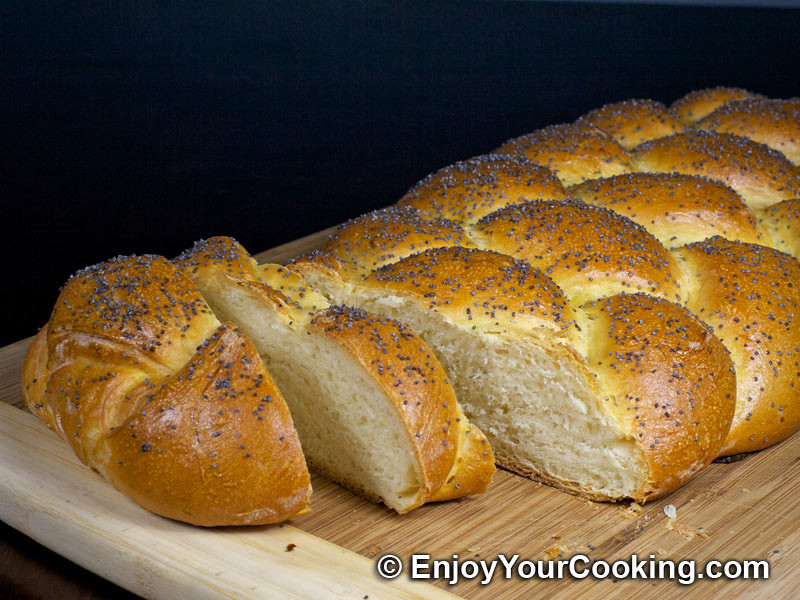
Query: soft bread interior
x: 346, y: 431
x: 533, y: 401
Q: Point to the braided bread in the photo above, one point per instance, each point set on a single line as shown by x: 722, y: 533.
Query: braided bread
x: 614, y: 334
x: 172, y: 403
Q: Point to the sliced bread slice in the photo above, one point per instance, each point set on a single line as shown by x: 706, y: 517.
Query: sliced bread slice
x: 372, y: 405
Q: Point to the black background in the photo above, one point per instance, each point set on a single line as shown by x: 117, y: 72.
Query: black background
x: 133, y: 128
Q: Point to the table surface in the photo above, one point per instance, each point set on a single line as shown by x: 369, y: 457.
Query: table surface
x: 749, y: 509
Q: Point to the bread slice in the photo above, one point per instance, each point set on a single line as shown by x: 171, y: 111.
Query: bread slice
x: 372, y: 405
x: 626, y: 397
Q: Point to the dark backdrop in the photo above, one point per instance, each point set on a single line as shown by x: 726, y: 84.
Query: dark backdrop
x: 141, y: 128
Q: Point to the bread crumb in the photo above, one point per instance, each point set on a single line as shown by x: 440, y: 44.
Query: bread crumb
x: 686, y: 531
x: 554, y: 552
x: 670, y: 511
x: 290, y: 547
x: 745, y: 490
x: 631, y: 511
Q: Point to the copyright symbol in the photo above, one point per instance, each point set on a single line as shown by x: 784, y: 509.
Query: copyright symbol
x: 389, y: 566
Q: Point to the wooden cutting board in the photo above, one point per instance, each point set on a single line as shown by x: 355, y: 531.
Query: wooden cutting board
x: 743, y: 510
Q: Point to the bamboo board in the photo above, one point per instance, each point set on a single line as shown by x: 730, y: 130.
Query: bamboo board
x: 743, y: 510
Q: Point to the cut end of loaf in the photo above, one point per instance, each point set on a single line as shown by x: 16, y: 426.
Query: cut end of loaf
x: 173, y: 408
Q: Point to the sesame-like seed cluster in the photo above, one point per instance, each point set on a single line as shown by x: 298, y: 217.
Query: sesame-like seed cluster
x: 387, y: 235
x: 697, y: 104
x: 231, y: 396
x: 573, y: 152
x: 468, y: 190
x: 775, y: 123
x: 782, y: 221
x: 632, y: 122
x: 761, y: 175
x: 285, y: 289
x: 676, y: 208
x: 139, y: 300
x: 480, y: 288
x: 751, y: 299
x: 578, y: 244
x: 649, y: 364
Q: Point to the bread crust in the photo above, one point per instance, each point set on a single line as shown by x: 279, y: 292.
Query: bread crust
x: 574, y: 152
x: 761, y: 175
x: 468, y: 190
x: 174, y: 408
x: 677, y: 209
x: 632, y: 122
x: 575, y: 243
x: 782, y: 223
x: 749, y: 296
x: 481, y: 289
x: 775, y: 123
x: 697, y: 104
x: 668, y: 381
x: 387, y: 235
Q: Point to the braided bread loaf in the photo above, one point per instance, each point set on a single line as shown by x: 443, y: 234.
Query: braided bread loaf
x: 177, y: 410
x: 613, y: 334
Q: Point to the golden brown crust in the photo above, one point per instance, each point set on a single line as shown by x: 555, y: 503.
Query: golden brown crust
x: 480, y: 289
x: 415, y: 382
x: 633, y: 122
x: 697, y: 104
x: 775, y: 123
x: 589, y: 251
x: 574, y: 152
x: 669, y: 381
x: 468, y: 190
x: 34, y: 379
x: 677, y: 209
x: 759, y: 174
x: 749, y: 296
x: 782, y: 223
x: 387, y: 235
x: 215, y: 445
x: 138, y: 370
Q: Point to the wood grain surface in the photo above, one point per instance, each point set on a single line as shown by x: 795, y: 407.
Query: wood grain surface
x: 748, y: 509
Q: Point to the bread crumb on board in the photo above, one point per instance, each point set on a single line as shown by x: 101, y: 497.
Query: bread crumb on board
x: 631, y: 511
x: 554, y: 552
x: 686, y: 531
